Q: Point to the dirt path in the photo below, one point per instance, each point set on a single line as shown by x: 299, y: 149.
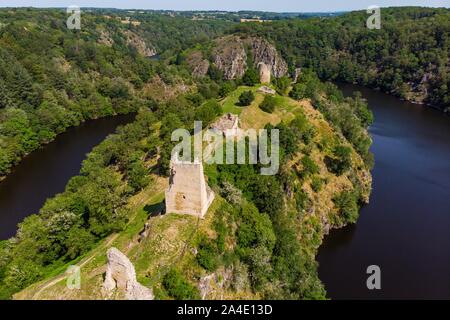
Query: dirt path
x: 64, y: 276
x: 136, y: 202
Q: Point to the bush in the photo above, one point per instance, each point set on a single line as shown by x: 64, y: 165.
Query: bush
x: 207, y: 112
x: 341, y: 160
x: 316, y: 183
x: 302, y: 200
x: 309, y: 167
x: 226, y: 88
x: 178, y: 287
x: 268, y: 105
x: 207, y: 254
x: 246, y: 98
x: 346, y: 202
x: 298, y: 91
x: 251, y: 77
x: 282, y: 84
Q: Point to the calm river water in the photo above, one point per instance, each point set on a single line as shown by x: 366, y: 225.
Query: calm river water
x: 405, y: 229
x: 46, y: 171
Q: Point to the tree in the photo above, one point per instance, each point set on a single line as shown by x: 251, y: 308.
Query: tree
x: 251, y: 77
x: 208, y: 112
x: 309, y: 167
x: 178, y: 287
x: 298, y: 91
x: 341, y: 160
x: 246, y: 98
x: 226, y: 88
x: 282, y: 84
x: 268, y: 104
x: 346, y: 202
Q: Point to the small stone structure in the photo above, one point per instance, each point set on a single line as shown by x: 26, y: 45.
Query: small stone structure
x: 228, y: 125
x: 266, y: 90
x: 188, y: 192
x: 297, y: 73
x: 120, y: 274
x: 264, y: 72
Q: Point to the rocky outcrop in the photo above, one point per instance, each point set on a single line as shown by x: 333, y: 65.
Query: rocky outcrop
x: 265, y: 53
x: 198, y: 65
x: 297, y: 73
x: 230, y: 57
x: 231, y: 54
x: 212, y: 286
x: 105, y: 38
x: 135, y: 41
x: 266, y: 90
x: 120, y: 275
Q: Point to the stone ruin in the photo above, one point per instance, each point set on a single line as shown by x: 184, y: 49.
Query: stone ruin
x: 121, y: 275
x: 227, y: 125
x: 266, y: 90
x: 188, y: 192
x: 264, y: 72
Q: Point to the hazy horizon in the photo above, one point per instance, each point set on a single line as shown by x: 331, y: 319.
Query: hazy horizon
x: 281, y: 6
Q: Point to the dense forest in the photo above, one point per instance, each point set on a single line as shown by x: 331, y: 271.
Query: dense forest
x: 407, y: 57
x: 52, y: 78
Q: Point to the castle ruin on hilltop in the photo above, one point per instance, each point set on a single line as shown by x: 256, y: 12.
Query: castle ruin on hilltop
x: 188, y: 192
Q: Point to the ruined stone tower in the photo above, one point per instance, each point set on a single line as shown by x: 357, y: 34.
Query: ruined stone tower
x: 264, y: 72
x: 188, y: 192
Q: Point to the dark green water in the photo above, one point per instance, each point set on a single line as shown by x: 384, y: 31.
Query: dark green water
x: 46, y: 171
x: 406, y: 227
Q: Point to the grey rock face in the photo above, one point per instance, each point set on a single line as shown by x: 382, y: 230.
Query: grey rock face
x: 120, y: 274
x: 265, y: 53
x: 139, y: 44
x: 230, y: 56
x: 198, y: 65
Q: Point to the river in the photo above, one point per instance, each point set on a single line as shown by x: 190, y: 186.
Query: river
x: 45, y: 172
x: 405, y: 229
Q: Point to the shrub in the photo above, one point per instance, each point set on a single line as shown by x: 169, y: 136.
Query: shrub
x: 302, y: 200
x: 208, y: 111
x: 268, y: 105
x: 226, y: 88
x: 341, y: 160
x: 178, y: 287
x: 251, y: 77
x: 282, y: 84
x: 316, y: 183
x: 346, y: 202
x: 246, y: 98
x: 298, y: 91
x: 207, y: 254
x: 309, y: 166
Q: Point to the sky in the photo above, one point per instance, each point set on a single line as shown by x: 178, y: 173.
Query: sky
x: 230, y: 5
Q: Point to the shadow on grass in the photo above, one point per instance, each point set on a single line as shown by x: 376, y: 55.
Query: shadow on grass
x: 156, y: 209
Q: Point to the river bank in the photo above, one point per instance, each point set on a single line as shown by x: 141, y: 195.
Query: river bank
x: 46, y: 171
